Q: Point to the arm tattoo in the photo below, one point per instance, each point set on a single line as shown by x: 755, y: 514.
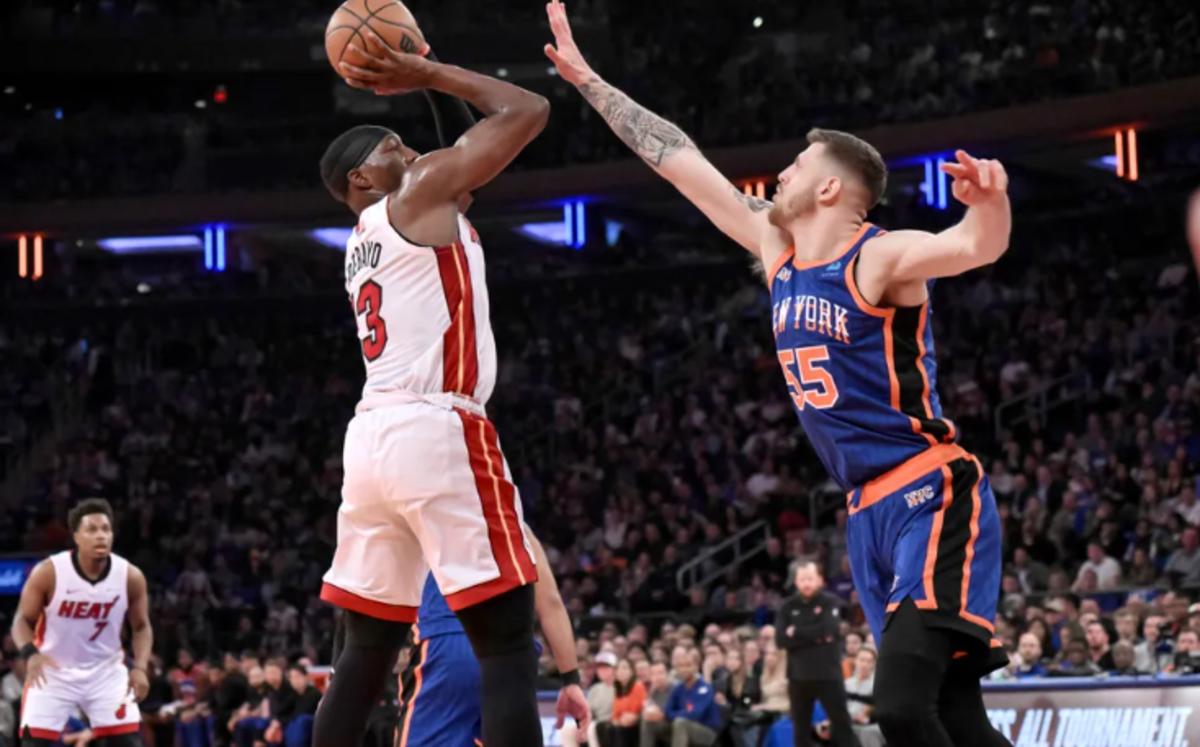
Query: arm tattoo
x: 650, y: 136
x: 756, y: 204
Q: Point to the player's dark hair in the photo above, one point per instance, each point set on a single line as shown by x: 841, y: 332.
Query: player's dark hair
x: 86, y: 507
x: 346, y: 153
x: 858, y: 156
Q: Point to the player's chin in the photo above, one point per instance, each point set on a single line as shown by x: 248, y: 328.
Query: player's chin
x: 777, y: 215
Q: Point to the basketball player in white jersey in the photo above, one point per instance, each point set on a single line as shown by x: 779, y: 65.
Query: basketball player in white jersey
x: 68, y: 628
x: 426, y: 486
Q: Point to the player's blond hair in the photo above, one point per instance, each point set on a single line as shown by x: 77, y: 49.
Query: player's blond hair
x: 858, y: 157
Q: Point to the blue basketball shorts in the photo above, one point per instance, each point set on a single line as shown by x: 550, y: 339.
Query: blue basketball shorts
x: 929, y: 531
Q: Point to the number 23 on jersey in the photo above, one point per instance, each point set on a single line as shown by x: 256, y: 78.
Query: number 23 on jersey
x: 815, y: 386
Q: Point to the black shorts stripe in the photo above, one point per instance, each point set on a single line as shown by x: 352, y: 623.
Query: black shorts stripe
x: 906, y: 353
x: 955, y: 535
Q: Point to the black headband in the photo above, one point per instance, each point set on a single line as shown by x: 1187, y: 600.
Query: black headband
x: 347, y: 153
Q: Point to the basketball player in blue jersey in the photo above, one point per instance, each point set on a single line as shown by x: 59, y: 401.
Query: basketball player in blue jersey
x: 439, y: 697
x: 853, y: 336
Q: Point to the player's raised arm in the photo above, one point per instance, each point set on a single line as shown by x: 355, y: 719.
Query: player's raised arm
x: 512, y: 118
x: 979, y: 239
x: 661, y: 144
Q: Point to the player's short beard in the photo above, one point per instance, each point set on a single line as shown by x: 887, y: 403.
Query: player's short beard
x: 796, y: 205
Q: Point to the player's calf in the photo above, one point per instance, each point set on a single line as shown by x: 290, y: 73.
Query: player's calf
x: 501, y: 633
x: 360, y: 673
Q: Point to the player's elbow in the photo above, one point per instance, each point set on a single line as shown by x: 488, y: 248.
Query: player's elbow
x: 989, y: 250
x: 537, y: 112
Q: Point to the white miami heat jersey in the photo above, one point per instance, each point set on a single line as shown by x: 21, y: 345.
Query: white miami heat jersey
x: 422, y: 312
x: 81, y: 627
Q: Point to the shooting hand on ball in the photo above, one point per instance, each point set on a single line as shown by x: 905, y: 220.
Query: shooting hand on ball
x: 384, y: 70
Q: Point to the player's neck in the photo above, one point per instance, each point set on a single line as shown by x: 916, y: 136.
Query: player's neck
x: 822, y: 234
x: 91, y: 567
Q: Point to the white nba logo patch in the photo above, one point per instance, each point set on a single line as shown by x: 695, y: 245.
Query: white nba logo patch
x: 785, y: 274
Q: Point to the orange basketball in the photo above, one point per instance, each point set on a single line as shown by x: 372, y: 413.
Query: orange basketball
x: 389, y: 19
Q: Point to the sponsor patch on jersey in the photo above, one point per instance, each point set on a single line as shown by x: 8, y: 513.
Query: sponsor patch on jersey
x: 921, y: 495
x: 833, y: 268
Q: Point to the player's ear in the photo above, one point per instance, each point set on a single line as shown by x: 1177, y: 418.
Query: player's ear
x: 830, y: 190
x: 358, y: 179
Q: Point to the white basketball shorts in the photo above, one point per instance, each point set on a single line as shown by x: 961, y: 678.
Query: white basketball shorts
x: 102, y: 693
x: 425, y: 488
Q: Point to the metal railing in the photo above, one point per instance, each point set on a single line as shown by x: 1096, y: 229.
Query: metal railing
x: 700, y: 571
x: 1037, y: 403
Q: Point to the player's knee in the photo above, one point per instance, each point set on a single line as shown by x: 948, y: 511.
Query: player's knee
x: 502, y: 624
x: 363, y: 631
x: 905, y: 716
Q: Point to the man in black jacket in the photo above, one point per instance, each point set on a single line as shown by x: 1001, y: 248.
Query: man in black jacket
x: 807, y: 628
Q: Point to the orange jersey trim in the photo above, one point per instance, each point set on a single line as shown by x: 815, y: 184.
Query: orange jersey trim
x: 920, y: 465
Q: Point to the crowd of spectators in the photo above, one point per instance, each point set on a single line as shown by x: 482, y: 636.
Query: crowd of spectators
x: 645, y: 421
x: 704, y: 65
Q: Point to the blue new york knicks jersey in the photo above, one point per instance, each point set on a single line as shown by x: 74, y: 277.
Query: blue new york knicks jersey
x: 862, y: 379
x: 434, y: 616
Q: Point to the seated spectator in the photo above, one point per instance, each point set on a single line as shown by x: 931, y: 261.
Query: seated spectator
x: 228, y: 691
x: 740, y: 695
x: 1123, y: 660
x: 852, y: 643
x: 1106, y: 569
x: 600, y: 696
x: 623, y: 730
x: 1027, y: 662
x: 1187, y: 653
x: 253, y: 708
x: 860, y: 695
x: 774, y: 686
x: 691, y: 716
x: 1075, y: 662
x: 657, y: 695
x: 1153, y: 653
x: 1183, y: 565
x: 297, y: 725
x: 1098, y: 645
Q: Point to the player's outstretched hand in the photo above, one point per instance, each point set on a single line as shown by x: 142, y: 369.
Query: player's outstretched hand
x: 385, y: 71
x: 564, y: 53
x: 139, y: 684
x: 976, y: 180
x: 572, y: 702
x: 35, y: 669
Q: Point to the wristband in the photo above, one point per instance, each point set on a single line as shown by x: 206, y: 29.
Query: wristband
x: 28, y: 650
x: 570, y: 678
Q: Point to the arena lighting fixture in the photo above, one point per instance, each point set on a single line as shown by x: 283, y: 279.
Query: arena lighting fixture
x: 334, y: 238
x: 574, y: 224
x: 37, y: 257
x: 1125, y: 152
x: 208, y: 248
x: 23, y: 256
x: 758, y: 22
x: 220, y: 248
x: 933, y: 186
x: 181, y: 243
x: 553, y: 232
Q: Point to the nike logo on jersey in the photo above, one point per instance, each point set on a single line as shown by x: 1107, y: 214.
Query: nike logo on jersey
x: 818, y: 315
x: 916, y: 497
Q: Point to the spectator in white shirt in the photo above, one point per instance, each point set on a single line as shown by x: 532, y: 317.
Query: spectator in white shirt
x: 1107, y: 569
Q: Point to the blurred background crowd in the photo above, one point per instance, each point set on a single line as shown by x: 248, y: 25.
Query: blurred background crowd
x: 639, y: 401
